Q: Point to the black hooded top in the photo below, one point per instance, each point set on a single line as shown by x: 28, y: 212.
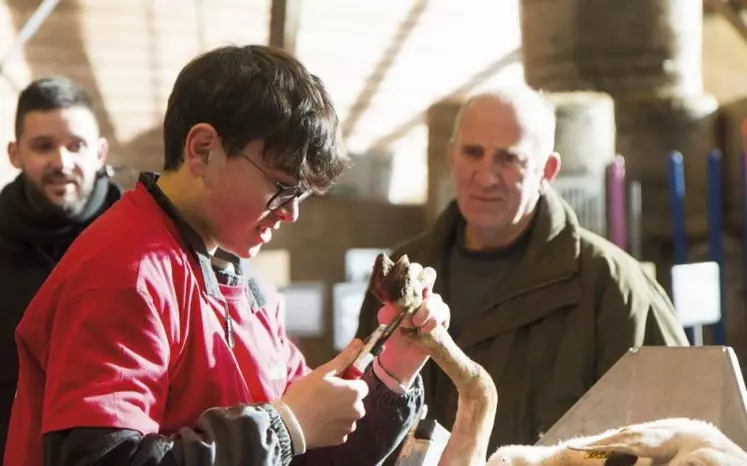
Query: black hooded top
x: 33, y: 238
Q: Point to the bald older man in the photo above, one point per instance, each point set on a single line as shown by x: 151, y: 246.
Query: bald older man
x: 544, y: 305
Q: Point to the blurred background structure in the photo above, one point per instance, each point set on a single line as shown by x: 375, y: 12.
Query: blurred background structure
x: 640, y: 78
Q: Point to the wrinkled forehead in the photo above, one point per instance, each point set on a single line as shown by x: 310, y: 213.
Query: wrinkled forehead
x: 494, y: 123
x: 522, y: 121
x: 489, y: 115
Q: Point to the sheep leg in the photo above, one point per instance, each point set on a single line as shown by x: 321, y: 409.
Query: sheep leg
x: 477, y: 404
x: 393, y: 283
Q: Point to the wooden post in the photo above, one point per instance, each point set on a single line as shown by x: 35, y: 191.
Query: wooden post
x: 284, y: 16
x: 731, y: 13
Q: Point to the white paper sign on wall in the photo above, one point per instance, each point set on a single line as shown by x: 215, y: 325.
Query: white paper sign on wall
x: 696, y: 289
x: 347, y: 299
x: 303, y: 308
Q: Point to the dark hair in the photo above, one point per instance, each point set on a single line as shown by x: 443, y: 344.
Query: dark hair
x: 50, y: 93
x: 253, y: 92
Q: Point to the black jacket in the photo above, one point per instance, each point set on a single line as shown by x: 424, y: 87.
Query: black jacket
x: 32, y: 241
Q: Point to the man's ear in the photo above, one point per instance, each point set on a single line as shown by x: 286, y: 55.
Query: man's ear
x: 102, y: 149
x: 13, y: 155
x: 550, y: 171
x: 200, y: 140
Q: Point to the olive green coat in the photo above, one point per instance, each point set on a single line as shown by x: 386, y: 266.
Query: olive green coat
x: 574, y: 305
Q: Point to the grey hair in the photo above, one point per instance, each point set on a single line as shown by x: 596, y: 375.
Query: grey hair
x: 534, y: 112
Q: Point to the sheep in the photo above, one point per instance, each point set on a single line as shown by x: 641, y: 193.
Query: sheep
x: 477, y: 403
x: 672, y: 442
x: 560, y: 454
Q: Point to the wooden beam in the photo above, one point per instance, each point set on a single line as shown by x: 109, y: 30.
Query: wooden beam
x: 25, y: 33
x: 731, y: 14
x: 739, y: 5
x: 284, y: 24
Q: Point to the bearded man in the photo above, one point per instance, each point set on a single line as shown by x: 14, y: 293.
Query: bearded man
x: 61, y: 189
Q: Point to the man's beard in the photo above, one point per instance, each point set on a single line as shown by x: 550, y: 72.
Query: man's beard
x: 70, y: 205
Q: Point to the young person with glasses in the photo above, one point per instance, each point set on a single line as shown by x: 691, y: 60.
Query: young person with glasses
x: 136, y: 352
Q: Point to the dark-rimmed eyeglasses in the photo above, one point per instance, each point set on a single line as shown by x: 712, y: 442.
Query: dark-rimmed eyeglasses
x: 284, y: 193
